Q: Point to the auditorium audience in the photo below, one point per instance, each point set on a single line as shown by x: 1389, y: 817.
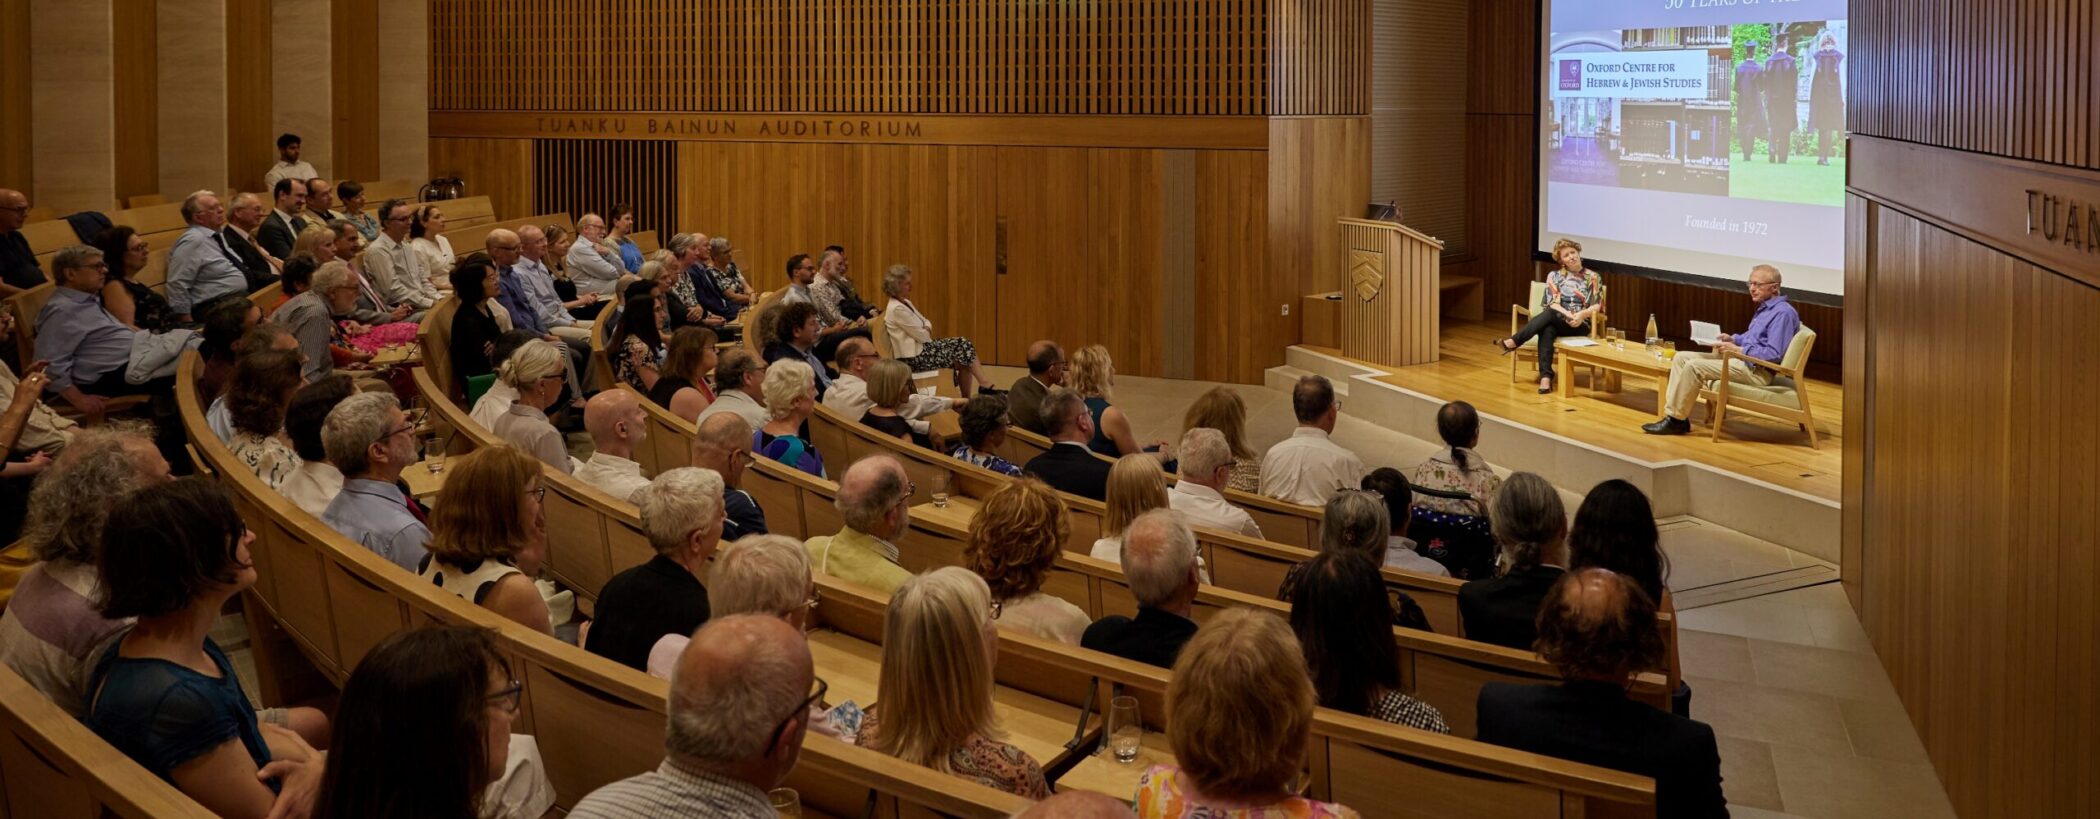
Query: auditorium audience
x: 801, y: 272
x: 323, y: 293
x: 874, y: 501
x: 1046, y: 370
x: 201, y: 265
x: 1069, y: 466
x: 371, y: 440
x: 289, y: 165
x: 1456, y: 467
x: 353, y: 195
x: 1531, y: 529
x: 796, y: 337
x: 1340, y: 611
x: 1093, y: 376
x: 695, y: 288
x: 488, y: 534
x: 889, y: 391
x: 1159, y: 561
x: 52, y: 627
x: 318, y: 241
x: 286, y: 219
x: 1015, y: 539
x: 682, y: 388
x: 317, y: 481
x: 1354, y: 521
x: 396, y: 270
x: 739, y: 388
x: 1597, y: 628
x: 1400, y: 552
x: 320, y: 202
x: 912, y: 340
x: 1308, y: 467
x: 682, y: 515
x: 592, y: 264
x: 983, y: 426
x: 244, y: 220
x: 163, y: 692
x: 723, y: 444
x: 1240, y: 714
x: 791, y: 397
x: 19, y: 269
x: 540, y: 293
x: 133, y: 304
x: 617, y: 425
x: 423, y: 729
x: 636, y: 346
x: 849, y: 391
x: 833, y: 293
x: 618, y: 236
x: 738, y: 714
x: 262, y: 388
x: 41, y: 428
x: 477, y: 323
x: 426, y: 236
x: 535, y: 372
x: 1220, y: 408
x: 1135, y: 486
x: 1615, y: 529
x: 934, y: 697
x: 1205, y: 469
x: 721, y: 264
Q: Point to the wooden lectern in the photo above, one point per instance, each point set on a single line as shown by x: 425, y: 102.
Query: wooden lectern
x: 1392, y: 291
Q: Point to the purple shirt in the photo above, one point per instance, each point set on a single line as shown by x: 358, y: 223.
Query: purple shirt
x: 1771, y: 329
x: 510, y: 292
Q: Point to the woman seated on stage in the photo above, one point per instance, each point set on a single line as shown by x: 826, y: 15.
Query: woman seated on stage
x: 682, y: 389
x: 911, y: 335
x: 1572, y: 297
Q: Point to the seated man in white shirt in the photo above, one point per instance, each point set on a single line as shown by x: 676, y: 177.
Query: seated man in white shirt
x: 1308, y: 468
x: 289, y: 165
x: 617, y: 425
x: 849, y: 391
x: 1206, y: 467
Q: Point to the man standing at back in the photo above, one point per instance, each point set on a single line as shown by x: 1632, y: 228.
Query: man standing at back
x: 1046, y: 369
x: 1309, y: 467
x: 289, y: 165
x: 739, y: 710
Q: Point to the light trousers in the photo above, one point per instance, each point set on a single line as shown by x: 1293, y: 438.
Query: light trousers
x: 1690, y: 371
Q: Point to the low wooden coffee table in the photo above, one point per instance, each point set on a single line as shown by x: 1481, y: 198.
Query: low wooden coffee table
x: 1634, y: 360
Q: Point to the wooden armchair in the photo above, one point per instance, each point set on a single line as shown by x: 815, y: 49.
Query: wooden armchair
x: 1521, y: 313
x: 1785, y: 398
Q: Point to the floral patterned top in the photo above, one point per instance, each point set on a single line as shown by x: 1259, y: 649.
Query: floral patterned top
x: 1246, y: 476
x: 268, y: 455
x: 1574, y: 291
x: 626, y: 368
x: 728, y: 277
x: 982, y: 760
x: 1441, y: 471
x: 1164, y: 793
x: 963, y: 452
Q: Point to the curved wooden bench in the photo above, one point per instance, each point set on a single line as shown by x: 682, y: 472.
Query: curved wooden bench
x: 54, y: 767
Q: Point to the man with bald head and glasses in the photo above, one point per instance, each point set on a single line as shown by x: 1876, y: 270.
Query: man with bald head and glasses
x: 1772, y: 328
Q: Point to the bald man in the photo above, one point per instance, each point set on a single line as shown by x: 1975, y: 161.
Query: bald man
x: 18, y: 268
x: 1599, y: 630
x: 874, y: 500
x: 617, y: 425
x: 723, y: 444
x: 738, y: 715
x: 1046, y: 369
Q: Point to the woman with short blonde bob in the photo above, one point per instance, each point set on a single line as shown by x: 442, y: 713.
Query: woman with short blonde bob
x: 537, y: 371
x: 934, y: 697
x: 791, y: 397
x: 1239, y: 718
x: 1136, y: 485
x: 889, y: 386
x: 488, y: 534
x: 1221, y: 409
x: 1014, y: 540
x: 1093, y: 376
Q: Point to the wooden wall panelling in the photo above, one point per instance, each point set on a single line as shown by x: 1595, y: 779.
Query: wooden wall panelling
x: 72, y: 96
x: 578, y: 176
x: 1043, y: 198
x: 1238, y: 286
x: 1126, y: 210
x: 1319, y: 171
x: 191, y: 96
x: 1501, y: 210
x: 135, y: 57
x: 251, y: 144
x: 354, y: 87
x: 500, y: 169
x: 15, y: 136
x: 1418, y: 115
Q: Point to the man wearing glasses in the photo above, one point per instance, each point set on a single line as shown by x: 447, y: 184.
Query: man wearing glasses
x: 393, y: 268
x: 93, y: 356
x: 371, y: 441
x: 739, y: 710
x: 18, y: 267
x: 1772, y: 328
x: 1046, y: 369
x: 202, y: 266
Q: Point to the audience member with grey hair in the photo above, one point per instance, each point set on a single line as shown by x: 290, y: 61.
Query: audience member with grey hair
x: 1309, y: 467
x: 311, y: 315
x: 1205, y: 470
x: 93, y: 355
x: 737, y: 720
x: 723, y: 444
x: 791, y: 397
x: 52, y: 626
x: 1159, y: 561
x: 874, y: 500
x: 370, y: 439
x: 536, y: 371
x: 682, y: 514
x: 1356, y: 521
x: 721, y: 264
x: 1069, y: 465
x: 761, y: 574
x: 1531, y: 528
x: 593, y: 264
x: 740, y: 378
x: 200, y: 268
x: 912, y: 340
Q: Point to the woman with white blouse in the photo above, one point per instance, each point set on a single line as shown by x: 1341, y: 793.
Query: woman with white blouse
x: 426, y: 237
x: 911, y: 335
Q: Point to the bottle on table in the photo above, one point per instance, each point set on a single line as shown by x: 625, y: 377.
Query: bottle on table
x: 1654, y: 336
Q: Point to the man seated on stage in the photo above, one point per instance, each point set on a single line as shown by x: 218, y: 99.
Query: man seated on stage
x: 1772, y: 328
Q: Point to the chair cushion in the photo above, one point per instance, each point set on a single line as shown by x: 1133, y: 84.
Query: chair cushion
x: 1785, y: 396
x: 1797, y: 347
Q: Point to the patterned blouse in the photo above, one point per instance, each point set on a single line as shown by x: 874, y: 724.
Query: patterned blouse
x: 1441, y: 472
x: 624, y: 367
x: 1165, y: 793
x: 267, y: 455
x: 1401, y: 709
x: 1246, y: 476
x: 826, y: 297
x: 1575, y: 291
x: 982, y: 760
x: 728, y: 277
x: 987, y: 460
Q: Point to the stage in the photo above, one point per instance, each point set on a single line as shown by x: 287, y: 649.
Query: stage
x: 1761, y: 478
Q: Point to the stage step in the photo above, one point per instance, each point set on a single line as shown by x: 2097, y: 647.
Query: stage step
x: 1284, y: 377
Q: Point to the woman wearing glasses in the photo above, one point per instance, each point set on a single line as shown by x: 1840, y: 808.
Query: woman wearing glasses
x: 535, y: 370
x: 488, y: 537
x: 424, y: 730
x: 477, y: 322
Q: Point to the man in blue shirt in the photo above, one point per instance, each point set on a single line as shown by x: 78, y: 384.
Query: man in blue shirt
x: 505, y: 248
x: 370, y: 440
x: 1771, y: 330
x: 89, y: 350
x: 200, y: 266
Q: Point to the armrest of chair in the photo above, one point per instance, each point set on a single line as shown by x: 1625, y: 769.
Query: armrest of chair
x: 1731, y: 355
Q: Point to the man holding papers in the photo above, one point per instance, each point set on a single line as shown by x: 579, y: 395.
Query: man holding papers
x: 1771, y: 330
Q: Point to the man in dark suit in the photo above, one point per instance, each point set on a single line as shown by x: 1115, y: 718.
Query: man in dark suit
x: 1046, y: 369
x: 1598, y: 628
x: 281, y: 228
x: 1070, y: 466
x: 1159, y: 561
x: 243, y: 219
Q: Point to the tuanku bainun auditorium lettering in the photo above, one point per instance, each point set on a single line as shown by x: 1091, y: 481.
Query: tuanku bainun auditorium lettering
x: 2061, y: 219
x: 839, y: 128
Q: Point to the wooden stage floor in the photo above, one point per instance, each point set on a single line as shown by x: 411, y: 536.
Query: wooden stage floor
x: 1767, y: 449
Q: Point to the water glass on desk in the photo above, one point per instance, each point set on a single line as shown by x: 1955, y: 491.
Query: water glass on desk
x: 787, y: 804
x: 434, y: 454
x: 1125, y: 733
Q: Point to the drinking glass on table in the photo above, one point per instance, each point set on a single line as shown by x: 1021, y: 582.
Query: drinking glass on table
x: 787, y: 804
x: 1125, y: 732
x: 434, y: 454
x: 1669, y: 350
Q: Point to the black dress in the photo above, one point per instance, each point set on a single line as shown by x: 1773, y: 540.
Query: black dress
x: 150, y: 310
x: 666, y: 387
x: 473, y: 332
x: 894, y: 426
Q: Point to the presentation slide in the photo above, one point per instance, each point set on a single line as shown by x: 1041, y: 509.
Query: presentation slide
x: 1697, y: 137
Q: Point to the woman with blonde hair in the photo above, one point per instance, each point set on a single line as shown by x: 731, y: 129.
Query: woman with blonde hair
x: 488, y: 534
x: 1014, y: 541
x: 1221, y: 409
x: 317, y: 241
x: 791, y: 397
x: 934, y: 696
x: 536, y: 370
x: 1093, y: 376
x: 1136, y: 485
x: 889, y: 386
x: 1239, y: 718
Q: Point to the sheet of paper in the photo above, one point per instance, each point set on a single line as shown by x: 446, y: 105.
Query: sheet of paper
x: 1579, y: 341
x: 1706, y: 333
